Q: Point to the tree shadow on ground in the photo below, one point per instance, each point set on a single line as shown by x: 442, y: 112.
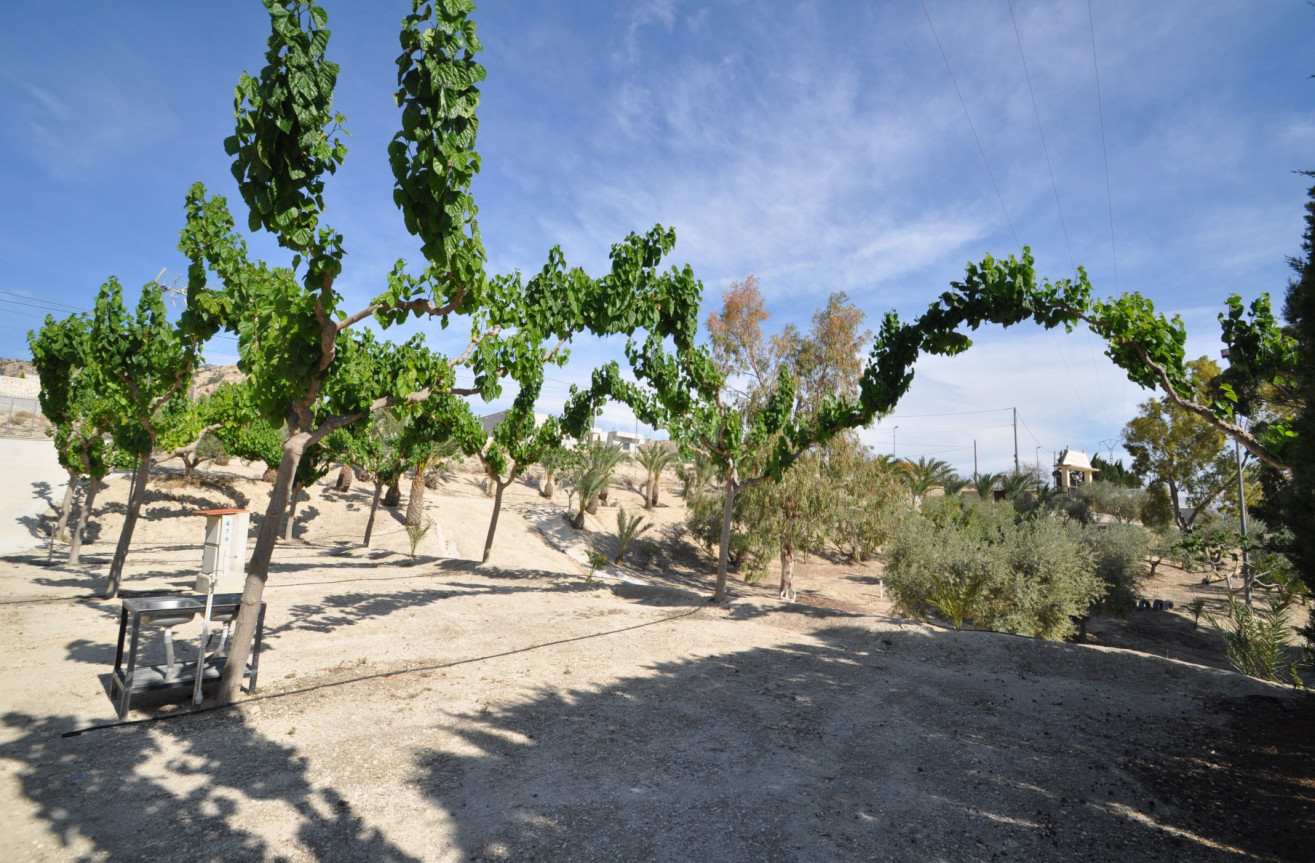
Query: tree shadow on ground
x: 851, y: 745
x: 836, y: 751
x: 109, y: 792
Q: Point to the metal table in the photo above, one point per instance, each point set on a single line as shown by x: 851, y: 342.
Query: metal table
x: 132, y: 674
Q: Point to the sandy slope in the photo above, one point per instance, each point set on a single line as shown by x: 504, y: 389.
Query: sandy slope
x: 432, y: 709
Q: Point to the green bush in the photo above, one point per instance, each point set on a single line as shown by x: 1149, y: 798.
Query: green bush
x: 210, y: 448
x: 1256, y: 642
x: 1117, y: 551
x: 1156, y: 507
x: 986, y: 564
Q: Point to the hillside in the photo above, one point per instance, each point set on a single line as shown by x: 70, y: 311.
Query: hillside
x: 433, y: 709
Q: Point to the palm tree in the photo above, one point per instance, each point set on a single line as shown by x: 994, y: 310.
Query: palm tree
x: 654, y: 458
x: 591, y: 477
x: 1017, y: 483
x: 985, y: 484
x: 628, y: 528
x: 924, y: 475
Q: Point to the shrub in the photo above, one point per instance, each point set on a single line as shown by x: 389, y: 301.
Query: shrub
x: 1256, y: 642
x: 1156, y: 507
x: 210, y: 448
x: 983, y: 563
x: 1117, y: 552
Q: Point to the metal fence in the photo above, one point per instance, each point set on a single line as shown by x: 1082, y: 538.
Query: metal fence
x: 22, y: 418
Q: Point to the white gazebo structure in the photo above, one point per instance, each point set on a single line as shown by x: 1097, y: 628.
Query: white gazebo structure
x: 1072, y: 469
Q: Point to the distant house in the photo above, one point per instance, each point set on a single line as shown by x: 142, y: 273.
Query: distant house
x: 628, y: 441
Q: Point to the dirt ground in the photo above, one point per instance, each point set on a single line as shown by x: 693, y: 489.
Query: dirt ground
x: 433, y: 709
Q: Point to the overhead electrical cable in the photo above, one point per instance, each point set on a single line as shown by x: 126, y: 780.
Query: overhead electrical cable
x: 963, y: 104
x: 1036, y: 110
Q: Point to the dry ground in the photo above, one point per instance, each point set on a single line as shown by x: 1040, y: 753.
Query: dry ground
x: 433, y: 709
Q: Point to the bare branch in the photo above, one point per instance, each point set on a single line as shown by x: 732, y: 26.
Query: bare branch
x: 423, y: 304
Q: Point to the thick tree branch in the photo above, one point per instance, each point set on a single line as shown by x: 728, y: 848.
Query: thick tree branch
x: 424, y: 305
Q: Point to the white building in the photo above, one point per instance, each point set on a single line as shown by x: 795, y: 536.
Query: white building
x: 629, y: 442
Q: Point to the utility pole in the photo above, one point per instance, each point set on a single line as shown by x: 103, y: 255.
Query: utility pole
x: 894, y: 451
x: 975, y: 471
x: 1017, y: 469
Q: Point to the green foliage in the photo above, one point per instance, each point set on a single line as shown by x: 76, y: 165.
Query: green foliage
x: 1256, y: 642
x: 1157, y: 510
x: 210, y: 448
x: 284, y: 145
x: 1119, y: 502
x: 866, y: 502
x: 591, y: 475
x: 435, y: 148
x: 654, y: 458
x: 415, y: 533
x: 142, y: 362
x: 1114, y: 473
x: 983, y: 563
x: 628, y: 528
x: 71, y: 395
x: 1117, y: 551
x: 924, y: 475
x: 1179, y: 448
x: 1294, y: 501
x: 243, y: 432
x: 596, y: 560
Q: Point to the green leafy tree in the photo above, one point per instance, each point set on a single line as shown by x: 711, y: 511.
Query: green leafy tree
x: 1114, y: 473
x: 181, y: 424
x: 291, y: 326
x: 373, y: 446
x: 144, y: 362
x: 1293, y: 501
x: 869, y: 498
x: 1180, y: 449
x: 71, y: 398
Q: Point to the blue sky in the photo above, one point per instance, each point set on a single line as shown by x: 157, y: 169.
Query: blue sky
x: 821, y: 146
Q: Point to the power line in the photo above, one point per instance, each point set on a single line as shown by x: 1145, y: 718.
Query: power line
x: 1073, y: 264
x: 951, y: 414
x: 963, y: 104
x: 1100, y: 106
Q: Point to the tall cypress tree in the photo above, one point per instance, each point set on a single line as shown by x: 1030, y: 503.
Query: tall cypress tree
x: 1297, y: 506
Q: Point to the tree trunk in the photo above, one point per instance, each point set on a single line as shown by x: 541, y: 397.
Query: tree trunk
x: 76, y: 548
x: 394, y: 496
x: 648, y: 493
x: 129, y: 524
x: 346, y: 476
x: 244, y: 625
x: 723, y: 553
x: 415, y: 505
x: 655, y: 490
x: 787, y: 568
x: 547, y: 489
x: 189, y: 466
x: 1177, y: 510
x: 493, y: 522
x: 66, y: 507
x: 374, y: 506
x: 291, y: 516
